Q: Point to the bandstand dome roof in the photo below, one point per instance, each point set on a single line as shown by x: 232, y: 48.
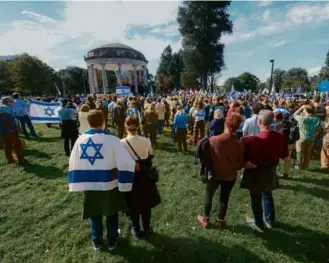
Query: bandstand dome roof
x: 115, y: 50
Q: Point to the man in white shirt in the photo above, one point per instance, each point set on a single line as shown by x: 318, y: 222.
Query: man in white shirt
x: 250, y: 127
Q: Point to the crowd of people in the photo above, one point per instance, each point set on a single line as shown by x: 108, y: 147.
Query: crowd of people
x: 252, y: 132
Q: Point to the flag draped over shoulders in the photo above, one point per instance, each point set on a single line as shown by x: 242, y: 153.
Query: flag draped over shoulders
x: 99, y: 162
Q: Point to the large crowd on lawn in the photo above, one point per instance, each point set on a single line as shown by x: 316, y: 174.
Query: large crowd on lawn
x: 252, y: 132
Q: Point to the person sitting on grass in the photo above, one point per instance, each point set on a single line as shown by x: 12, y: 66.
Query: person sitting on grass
x: 102, y: 168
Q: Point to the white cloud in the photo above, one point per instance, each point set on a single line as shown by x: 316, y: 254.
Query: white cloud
x: 278, y: 44
x: 280, y: 21
x: 263, y: 3
x: 100, y: 22
x: 314, y: 71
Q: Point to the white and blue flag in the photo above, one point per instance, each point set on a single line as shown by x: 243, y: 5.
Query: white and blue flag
x: 44, y: 112
x: 100, y: 162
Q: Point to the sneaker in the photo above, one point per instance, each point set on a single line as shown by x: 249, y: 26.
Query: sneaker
x: 269, y: 225
x: 97, y: 245
x: 284, y: 175
x: 220, y: 224
x: 204, y: 221
x: 112, y: 247
x: 251, y: 223
x: 136, y: 234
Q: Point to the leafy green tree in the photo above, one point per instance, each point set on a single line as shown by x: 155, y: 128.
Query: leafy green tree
x: 202, y: 25
x: 247, y: 81
x: 278, y: 75
x: 30, y: 75
x: 188, y: 80
x: 232, y: 81
x: 74, y: 79
x: 165, y: 62
x: 296, y: 77
x: 171, y: 65
x: 324, y: 73
x: 6, y: 83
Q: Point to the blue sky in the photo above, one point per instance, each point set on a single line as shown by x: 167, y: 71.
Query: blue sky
x: 61, y: 33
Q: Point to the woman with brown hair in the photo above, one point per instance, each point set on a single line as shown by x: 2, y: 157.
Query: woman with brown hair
x: 144, y: 195
x: 82, y: 116
x: 226, y: 154
x: 199, y: 124
x: 105, y: 111
x: 151, y: 121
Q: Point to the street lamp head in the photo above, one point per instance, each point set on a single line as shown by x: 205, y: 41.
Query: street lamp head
x: 272, y: 60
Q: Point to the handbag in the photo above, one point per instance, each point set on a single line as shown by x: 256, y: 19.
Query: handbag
x: 146, y: 165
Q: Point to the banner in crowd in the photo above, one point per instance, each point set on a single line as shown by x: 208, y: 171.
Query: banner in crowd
x: 44, y: 112
x: 123, y: 90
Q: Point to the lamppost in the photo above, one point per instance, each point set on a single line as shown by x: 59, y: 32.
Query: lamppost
x: 84, y: 84
x: 271, y: 81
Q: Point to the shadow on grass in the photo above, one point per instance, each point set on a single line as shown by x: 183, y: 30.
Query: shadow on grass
x: 46, y: 139
x: 298, y: 243
x: 320, y: 181
x: 36, y: 153
x: 185, y: 249
x: 319, y: 170
x: 43, y: 171
x: 320, y: 193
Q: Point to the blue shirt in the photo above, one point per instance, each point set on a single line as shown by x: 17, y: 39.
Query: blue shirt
x: 67, y: 114
x: 181, y: 121
x: 133, y: 112
x: 8, y: 122
x: 20, y: 108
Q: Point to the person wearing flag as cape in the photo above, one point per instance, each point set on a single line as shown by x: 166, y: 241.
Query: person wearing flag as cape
x: 101, y: 167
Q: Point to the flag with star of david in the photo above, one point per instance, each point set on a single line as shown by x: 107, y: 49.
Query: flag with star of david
x: 100, y: 162
x: 44, y: 112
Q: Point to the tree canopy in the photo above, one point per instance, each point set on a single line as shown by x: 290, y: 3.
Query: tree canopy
x: 202, y: 25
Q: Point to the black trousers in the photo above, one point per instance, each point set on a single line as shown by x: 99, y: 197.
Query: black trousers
x: 67, y: 140
x: 146, y: 220
x: 226, y: 188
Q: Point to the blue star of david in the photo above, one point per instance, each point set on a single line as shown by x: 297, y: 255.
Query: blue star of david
x: 97, y: 148
x: 49, y: 111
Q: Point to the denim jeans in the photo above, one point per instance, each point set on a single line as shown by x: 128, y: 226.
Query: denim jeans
x: 112, y: 225
x: 25, y: 120
x: 257, y: 207
x: 160, y: 126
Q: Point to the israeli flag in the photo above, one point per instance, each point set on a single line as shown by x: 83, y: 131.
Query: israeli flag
x: 100, y: 162
x: 44, y: 112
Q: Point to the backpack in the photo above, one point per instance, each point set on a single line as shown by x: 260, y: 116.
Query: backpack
x: 293, y: 135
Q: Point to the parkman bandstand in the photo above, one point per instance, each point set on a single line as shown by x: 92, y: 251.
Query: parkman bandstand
x: 123, y: 60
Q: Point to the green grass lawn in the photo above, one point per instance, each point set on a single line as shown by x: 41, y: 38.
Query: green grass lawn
x: 40, y: 221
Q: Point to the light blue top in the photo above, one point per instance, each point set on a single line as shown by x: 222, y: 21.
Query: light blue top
x: 181, y: 120
x: 68, y: 114
x: 20, y: 108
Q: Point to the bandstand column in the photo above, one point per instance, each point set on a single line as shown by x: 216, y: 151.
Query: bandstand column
x: 90, y: 79
x: 119, y: 74
x: 104, y: 79
x: 95, y: 81
x: 145, y: 76
x: 140, y: 76
x: 135, y: 79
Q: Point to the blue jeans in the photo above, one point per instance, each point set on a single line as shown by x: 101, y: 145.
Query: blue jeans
x: 257, y: 207
x: 112, y: 225
x: 160, y: 126
x: 25, y: 120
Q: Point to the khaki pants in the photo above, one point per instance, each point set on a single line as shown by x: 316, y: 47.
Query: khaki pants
x: 199, y: 127
x: 287, y: 162
x: 325, y: 152
x: 304, y: 150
